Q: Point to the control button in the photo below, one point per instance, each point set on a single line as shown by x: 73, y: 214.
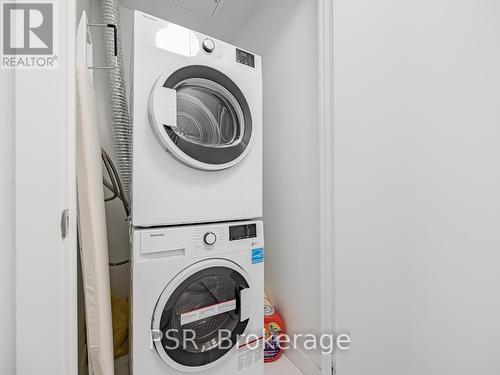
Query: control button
x: 209, y: 238
x: 208, y: 45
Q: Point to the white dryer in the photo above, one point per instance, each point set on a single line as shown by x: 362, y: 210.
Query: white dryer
x: 197, y: 135
x: 205, y: 283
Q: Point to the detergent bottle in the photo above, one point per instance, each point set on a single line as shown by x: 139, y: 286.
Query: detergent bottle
x: 274, y: 328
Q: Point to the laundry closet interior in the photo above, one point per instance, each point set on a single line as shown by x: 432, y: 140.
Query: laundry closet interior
x: 275, y: 38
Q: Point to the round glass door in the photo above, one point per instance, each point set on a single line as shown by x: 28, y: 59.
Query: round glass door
x: 201, y: 319
x: 211, y: 128
x: 207, y: 114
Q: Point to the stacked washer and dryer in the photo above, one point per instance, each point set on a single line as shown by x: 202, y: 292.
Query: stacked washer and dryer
x: 197, y: 243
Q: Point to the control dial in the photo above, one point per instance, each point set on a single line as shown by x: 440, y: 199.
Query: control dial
x: 209, y: 238
x: 208, y: 45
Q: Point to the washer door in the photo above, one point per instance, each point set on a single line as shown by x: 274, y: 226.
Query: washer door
x: 200, y: 315
x: 202, y: 117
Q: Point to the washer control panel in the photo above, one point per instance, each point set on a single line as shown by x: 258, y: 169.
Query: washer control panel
x: 195, y: 241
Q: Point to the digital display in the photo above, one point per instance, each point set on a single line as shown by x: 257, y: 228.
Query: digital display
x: 252, y: 231
x: 237, y: 233
x: 241, y: 232
x: 245, y: 58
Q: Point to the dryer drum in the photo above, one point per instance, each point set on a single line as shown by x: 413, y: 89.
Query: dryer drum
x: 207, y: 114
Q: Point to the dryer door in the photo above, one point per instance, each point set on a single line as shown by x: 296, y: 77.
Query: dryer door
x: 200, y: 315
x: 202, y: 117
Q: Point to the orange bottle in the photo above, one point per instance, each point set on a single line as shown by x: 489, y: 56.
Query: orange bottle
x: 274, y: 328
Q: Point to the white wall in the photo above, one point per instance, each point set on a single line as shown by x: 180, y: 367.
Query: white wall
x: 8, y: 262
x: 284, y: 33
x: 417, y: 168
x: 232, y: 16
x: 82, y: 5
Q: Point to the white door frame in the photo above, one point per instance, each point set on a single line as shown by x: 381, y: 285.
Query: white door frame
x: 46, y: 263
x: 326, y: 172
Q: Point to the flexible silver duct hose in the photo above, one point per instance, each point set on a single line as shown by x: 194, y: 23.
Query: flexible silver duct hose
x: 122, y: 122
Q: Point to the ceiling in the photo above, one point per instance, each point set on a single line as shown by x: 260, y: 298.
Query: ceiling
x: 233, y: 15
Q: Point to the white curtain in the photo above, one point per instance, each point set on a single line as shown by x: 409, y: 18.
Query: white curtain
x: 92, y: 230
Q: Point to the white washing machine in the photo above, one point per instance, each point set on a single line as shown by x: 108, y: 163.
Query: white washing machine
x: 197, y: 135
x: 197, y: 299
